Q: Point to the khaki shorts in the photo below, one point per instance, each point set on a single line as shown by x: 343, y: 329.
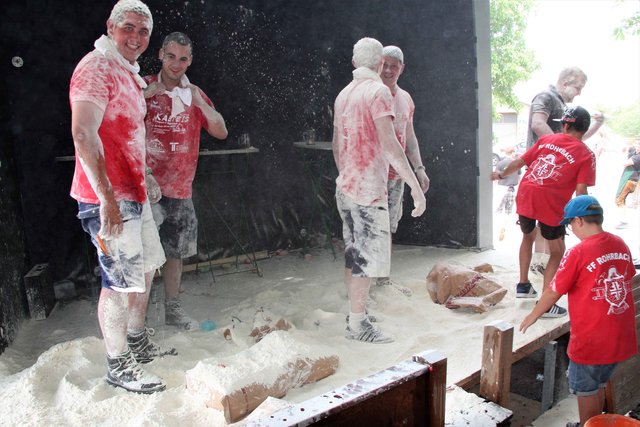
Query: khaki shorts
x: 136, y: 251
x: 367, y: 237
x: 395, y: 188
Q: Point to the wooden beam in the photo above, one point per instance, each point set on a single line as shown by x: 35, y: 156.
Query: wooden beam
x: 410, y: 393
x: 239, y: 259
x: 473, y: 378
x: 495, y: 374
x: 436, y: 385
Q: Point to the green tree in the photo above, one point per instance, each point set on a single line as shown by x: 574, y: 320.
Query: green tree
x: 625, y: 121
x: 629, y: 26
x: 511, y: 61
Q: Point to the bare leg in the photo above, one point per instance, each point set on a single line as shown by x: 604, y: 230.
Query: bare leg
x: 113, y: 316
x: 138, y: 305
x: 556, y: 250
x: 359, y: 293
x: 347, y: 280
x: 590, y: 406
x: 541, y: 244
x: 525, y: 254
x: 172, y: 275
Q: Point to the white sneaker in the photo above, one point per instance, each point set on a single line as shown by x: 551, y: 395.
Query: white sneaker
x: 175, y: 315
x: 367, y: 333
x: 125, y: 372
x: 385, y: 281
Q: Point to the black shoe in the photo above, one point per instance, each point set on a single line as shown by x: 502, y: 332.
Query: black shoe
x: 125, y: 372
x: 144, y: 350
x: 555, y: 311
x: 525, y: 290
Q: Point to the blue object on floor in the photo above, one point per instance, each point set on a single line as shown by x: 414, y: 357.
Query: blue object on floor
x: 208, y: 325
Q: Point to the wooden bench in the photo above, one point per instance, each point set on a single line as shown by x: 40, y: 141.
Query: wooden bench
x: 410, y: 393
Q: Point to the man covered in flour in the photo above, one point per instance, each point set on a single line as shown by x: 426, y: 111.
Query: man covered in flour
x: 176, y: 112
x: 403, y: 108
x: 107, y: 125
x: 364, y: 145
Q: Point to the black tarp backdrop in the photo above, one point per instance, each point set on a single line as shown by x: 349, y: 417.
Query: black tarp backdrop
x: 273, y: 68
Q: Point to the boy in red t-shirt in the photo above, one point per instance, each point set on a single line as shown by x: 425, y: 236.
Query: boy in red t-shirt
x: 596, y: 275
x: 558, y: 166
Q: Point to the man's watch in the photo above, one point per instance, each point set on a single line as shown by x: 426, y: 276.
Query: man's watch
x: 418, y: 168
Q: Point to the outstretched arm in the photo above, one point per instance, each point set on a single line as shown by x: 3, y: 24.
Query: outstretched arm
x: 548, y: 298
x: 512, y: 167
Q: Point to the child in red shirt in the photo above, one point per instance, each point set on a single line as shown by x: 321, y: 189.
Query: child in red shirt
x: 596, y: 275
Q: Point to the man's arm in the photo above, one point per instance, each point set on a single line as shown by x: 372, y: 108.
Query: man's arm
x: 394, y: 153
x: 539, y: 123
x: 581, y: 189
x: 86, y: 118
x: 216, y: 126
x: 413, y: 155
x: 512, y: 167
x: 598, y: 120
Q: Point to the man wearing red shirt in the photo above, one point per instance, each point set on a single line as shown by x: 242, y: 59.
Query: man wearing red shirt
x: 364, y: 145
x: 176, y: 112
x: 558, y: 165
x: 596, y: 275
x: 107, y: 124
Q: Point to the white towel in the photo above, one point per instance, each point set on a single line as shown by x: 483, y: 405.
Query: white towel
x: 107, y: 47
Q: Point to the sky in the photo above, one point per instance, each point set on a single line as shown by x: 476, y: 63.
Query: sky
x: 580, y: 33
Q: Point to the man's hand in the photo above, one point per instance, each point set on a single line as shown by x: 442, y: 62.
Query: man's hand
x: 198, y: 100
x: 153, y: 189
x: 423, y: 179
x: 111, y: 223
x: 419, y: 203
x: 598, y: 117
x: 495, y: 176
x: 154, y: 89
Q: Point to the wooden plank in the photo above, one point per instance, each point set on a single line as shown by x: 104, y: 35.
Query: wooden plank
x: 436, y: 385
x: 541, y: 341
x: 473, y: 378
x: 401, y: 395
x: 221, y: 261
x: 495, y: 374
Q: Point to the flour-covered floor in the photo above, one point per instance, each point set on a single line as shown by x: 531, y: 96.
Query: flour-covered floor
x: 53, y: 374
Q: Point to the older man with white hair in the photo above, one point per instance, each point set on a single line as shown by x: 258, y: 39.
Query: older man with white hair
x: 107, y: 124
x: 364, y: 145
x: 403, y: 108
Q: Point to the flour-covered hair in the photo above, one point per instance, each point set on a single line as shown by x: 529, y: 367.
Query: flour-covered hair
x: 177, y: 37
x: 393, y: 52
x: 135, y: 6
x: 367, y: 52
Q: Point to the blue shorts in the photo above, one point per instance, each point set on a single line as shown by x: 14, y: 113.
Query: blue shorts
x: 587, y: 380
x: 367, y: 238
x: 136, y: 251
